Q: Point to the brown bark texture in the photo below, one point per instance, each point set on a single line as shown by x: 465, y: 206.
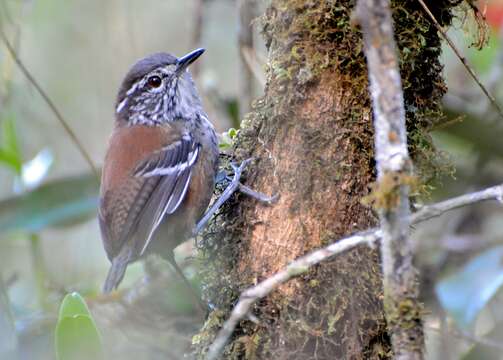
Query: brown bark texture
x: 311, y: 135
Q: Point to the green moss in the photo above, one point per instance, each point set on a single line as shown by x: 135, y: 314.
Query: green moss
x: 385, y: 193
x: 325, y: 38
x: 406, y: 315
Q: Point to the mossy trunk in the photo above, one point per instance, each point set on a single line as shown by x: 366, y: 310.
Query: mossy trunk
x: 311, y: 136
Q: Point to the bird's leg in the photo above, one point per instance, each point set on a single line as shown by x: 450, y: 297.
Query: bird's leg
x: 170, y: 257
x: 231, y: 189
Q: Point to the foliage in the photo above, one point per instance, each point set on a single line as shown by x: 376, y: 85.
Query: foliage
x: 227, y: 139
x: 76, y: 336
x: 10, y: 154
x: 57, y: 203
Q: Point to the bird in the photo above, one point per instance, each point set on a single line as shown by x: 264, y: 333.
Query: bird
x: 160, y: 166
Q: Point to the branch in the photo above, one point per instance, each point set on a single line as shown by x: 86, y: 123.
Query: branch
x: 255, y: 64
x: 49, y: 102
x: 430, y: 211
x: 400, y: 285
x: 295, y: 268
x: 197, y: 33
x: 247, y: 12
x: 464, y: 335
x: 462, y: 59
x: 265, y: 287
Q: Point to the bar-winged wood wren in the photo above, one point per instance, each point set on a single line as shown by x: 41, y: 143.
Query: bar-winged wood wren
x: 159, y: 170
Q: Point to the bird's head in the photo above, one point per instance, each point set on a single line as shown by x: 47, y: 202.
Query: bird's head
x: 158, y: 89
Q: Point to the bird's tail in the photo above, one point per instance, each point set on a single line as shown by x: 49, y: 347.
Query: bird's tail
x: 115, y: 274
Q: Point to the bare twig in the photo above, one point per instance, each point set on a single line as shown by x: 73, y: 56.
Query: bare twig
x: 428, y: 212
x: 295, y: 268
x: 49, y: 102
x: 39, y: 271
x: 495, y: 344
x: 247, y: 12
x: 431, y: 211
x: 494, y: 74
x: 254, y: 64
x: 464, y: 335
x: 9, y: 338
x: 5, y: 13
x: 370, y: 237
x: 400, y: 285
x: 462, y: 59
x: 197, y: 33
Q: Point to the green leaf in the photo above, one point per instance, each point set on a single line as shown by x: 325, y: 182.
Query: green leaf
x: 227, y: 139
x: 11, y: 160
x: 57, y: 203
x: 9, y: 147
x: 77, y: 336
x: 9, y: 137
x: 73, y: 304
x: 232, y: 133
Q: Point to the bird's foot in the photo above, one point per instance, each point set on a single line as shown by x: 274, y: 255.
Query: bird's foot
x: 234, y: 185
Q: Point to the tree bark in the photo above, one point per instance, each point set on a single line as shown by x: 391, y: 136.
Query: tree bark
x: 311, y: 135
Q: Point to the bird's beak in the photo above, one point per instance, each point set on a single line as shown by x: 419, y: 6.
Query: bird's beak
x: 184, y: 62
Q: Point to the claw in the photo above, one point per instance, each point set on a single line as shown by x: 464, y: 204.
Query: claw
x: 231, y: 188
x: 258, y: 195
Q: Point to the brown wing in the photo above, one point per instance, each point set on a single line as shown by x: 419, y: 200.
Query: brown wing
x: 151, y: 188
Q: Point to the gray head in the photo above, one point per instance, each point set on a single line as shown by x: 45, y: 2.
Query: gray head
x: 159, y: 89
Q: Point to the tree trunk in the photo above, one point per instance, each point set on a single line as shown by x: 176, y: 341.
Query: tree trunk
x: 312, y: 137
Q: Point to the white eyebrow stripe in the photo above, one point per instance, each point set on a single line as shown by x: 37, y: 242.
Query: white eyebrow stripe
x: 121, y: 105
x: 132, y: 89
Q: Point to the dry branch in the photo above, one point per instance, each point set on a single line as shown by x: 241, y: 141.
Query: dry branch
x: 247, y: 12
x: 400, y: 285
x: 462, y: 59
x: 197, y: 33
x: 295, y: 268
x: 430, y: 211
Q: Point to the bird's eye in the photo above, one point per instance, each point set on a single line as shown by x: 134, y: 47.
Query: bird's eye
x: 154, y: 81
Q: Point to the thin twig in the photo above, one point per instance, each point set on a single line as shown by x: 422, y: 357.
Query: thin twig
x: 430, y: 211
x: 49, y: 102
x: 197, y: 33
x: 265, y: 287
x: 254, y: 64
x: 462, y: 59
x: 295, y: 268
x: 5, y: 98
x: 247, y: 12
x: 495, y: 344
x: 9, y: 341
x: 464, y: 335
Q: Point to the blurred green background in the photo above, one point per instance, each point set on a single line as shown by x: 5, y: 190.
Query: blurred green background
x: 79, y: 52
x: 49, y: 238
